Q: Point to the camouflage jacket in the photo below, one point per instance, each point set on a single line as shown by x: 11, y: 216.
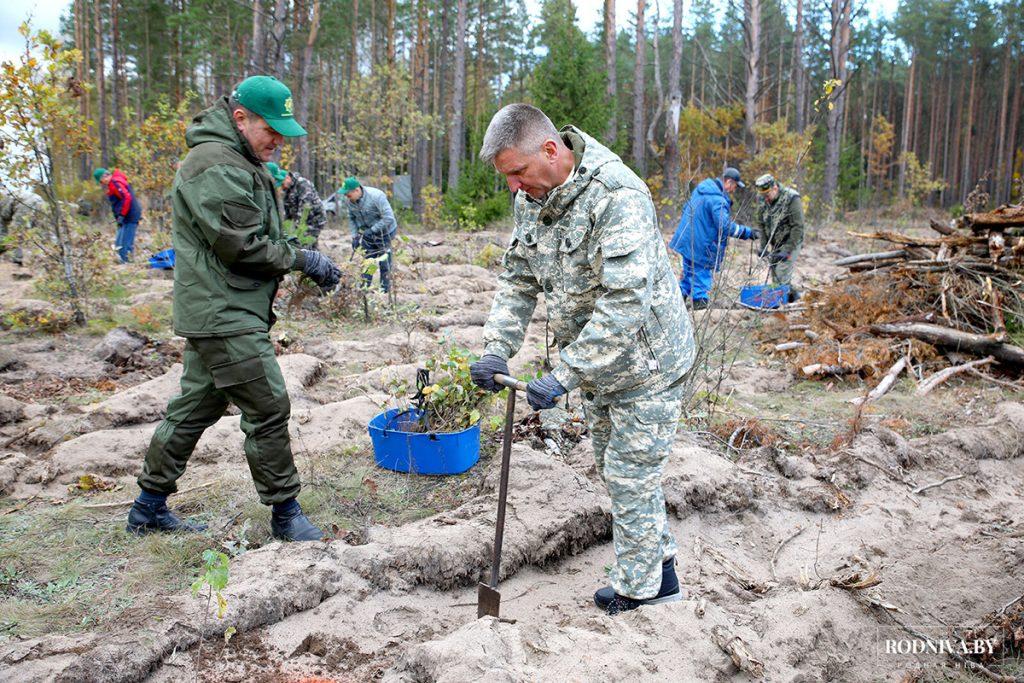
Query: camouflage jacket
x: 781, y: 222
x: 594, y: 249
x: 300, y: 196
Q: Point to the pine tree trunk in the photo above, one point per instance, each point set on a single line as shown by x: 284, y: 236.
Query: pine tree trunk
x: 799, y: 79
x: 257, y: 65
x: 675, y: 103
x: 839, y: 47
x: 301, y: 105
x: 101, y: 86
x: 82, y: 73
x: 420, y: 158
x: 752, y: 63
x: 611, y: 90
x: 456, y: 131
x: 1001, y: 174
x: 391, y: 33
x: 639, y: 157
x: 277, y: 32
x: 908, y: 106
x: 967, y: 180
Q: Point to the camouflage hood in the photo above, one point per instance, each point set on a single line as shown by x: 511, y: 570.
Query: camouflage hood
x: 590, y: 155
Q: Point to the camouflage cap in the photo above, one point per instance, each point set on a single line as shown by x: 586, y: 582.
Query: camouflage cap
x: 270, y: 98
x: 764, y: 182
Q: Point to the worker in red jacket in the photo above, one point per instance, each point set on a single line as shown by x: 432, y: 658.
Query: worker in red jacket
x: 126, y: 208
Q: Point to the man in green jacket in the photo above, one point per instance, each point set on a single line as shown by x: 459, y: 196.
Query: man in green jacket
x: 586, y: 237
x: 780, y: 219
x: 230, y: 256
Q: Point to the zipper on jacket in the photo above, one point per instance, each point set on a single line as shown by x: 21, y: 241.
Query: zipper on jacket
x: 652, y: 361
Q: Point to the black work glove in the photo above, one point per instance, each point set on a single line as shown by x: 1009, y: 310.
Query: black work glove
x: 356, y: 239
x: 483, y: 371
x: 777, y: 257
x: 120, y: 220
x: 755, y: 233
x: 541, y: 393
x: 320, y: 269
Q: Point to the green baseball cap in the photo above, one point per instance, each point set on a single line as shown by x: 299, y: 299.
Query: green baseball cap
x: 98, y: 173
x: 271, y: 99
x: 350, y: 184
x: 277, y: 173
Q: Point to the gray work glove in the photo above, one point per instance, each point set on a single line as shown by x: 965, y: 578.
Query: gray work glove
x: 320, y: 269
x: 755, y: 233
x: 120, y: 220
x: 356, y: 239
x: 483, y: 371
x: 777, y: 257
x: 541, y: 393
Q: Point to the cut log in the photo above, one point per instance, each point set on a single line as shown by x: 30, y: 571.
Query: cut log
x: 885, y: 385
x: 738, y: 651
x: 824, y: 369
x: 877, y: 256
x: 911, y: 241
x: 948, y: 338
x: 790, y: 346
x: 942, y: 228
x: 1003, y: 217
x: 942, y: 375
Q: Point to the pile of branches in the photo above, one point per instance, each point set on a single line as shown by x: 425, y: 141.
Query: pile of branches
x: 926, y: 301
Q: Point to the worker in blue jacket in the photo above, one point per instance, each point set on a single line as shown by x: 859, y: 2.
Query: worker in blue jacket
x: 705, y: 227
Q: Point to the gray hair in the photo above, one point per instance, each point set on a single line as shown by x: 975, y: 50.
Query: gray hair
x: 234, y: 104
x: 520, y: 126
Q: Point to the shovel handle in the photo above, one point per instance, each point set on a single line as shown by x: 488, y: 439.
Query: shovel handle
x: 510, y: 382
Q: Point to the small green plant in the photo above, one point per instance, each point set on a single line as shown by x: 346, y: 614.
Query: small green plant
x: 489, y: 256
x: 215, y: 579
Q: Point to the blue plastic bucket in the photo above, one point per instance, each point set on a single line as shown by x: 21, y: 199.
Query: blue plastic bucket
x: 421, y: 453
x: 162, y: 260
x: 764, y: 296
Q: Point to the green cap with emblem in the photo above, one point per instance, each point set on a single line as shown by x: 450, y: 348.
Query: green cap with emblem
x: 350, y: 184
x: 270, y: 98
x: 277, y: 173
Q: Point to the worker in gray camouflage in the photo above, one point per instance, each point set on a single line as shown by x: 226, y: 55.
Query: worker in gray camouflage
x: 780, y: 219
x: 373, y: 226
x: 301, y: 200
x: 586, y: 236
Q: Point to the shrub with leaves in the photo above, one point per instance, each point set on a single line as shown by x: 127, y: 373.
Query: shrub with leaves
x: 41, y: 132
x: 450, y: 402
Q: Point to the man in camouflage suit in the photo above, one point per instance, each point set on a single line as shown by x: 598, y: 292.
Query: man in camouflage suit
x: 300, y: 198
x: 780, y: 219
x: 586, y: 236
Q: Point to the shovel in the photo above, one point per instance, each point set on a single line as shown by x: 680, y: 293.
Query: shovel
x: 488, y: 600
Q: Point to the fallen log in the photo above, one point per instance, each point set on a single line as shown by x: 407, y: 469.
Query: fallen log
x: 790, y: 346
x: 1003, y: 217
x: 910, y: 241
x: 738, y: 651
x: 942, y: 228
x: 942, y: 375
x: 877, y: 256
x: 885, y: 385
x: 946, y: 337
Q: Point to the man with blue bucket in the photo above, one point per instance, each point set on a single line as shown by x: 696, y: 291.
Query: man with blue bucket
x: 780, y: 220
x: 586, y: 236
x: 705, y: 227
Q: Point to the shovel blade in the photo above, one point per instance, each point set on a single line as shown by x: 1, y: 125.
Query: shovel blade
x: 488, y: 601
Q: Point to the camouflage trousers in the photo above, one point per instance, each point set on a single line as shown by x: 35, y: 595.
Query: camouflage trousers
x: 632, y: 441
x: 782, y: 272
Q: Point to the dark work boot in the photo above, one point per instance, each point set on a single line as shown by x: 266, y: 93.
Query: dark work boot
x: 145, y: 518
x: 291, y: 524
x: 794, y: 295
x: 700, y: 304
x: 613, y: 603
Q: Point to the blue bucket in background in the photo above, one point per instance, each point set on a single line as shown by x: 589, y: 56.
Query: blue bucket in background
x: 764, y: 296
x: 162, y: 260
x: 418, y: 452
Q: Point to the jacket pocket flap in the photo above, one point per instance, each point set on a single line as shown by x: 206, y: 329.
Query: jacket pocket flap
x: 656, y: 412
x: 240, y: 215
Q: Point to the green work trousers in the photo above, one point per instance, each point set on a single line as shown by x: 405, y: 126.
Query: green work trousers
x: 242, y: 370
